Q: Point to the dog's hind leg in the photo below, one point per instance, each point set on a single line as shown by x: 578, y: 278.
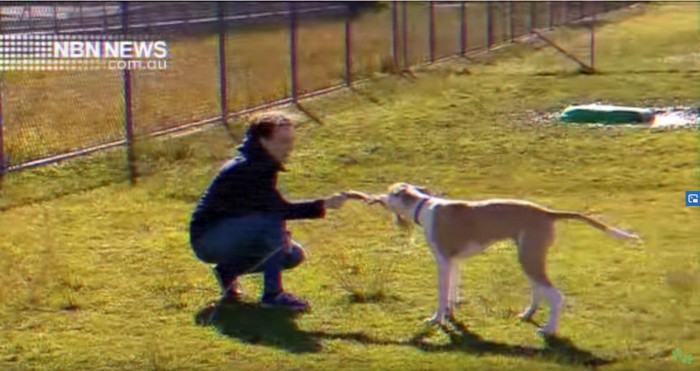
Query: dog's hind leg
x: 535, y: 298
x: 532, y: 253
x: 556, y: 303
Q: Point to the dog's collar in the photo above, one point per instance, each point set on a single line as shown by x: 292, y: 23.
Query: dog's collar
x: 420, y: 205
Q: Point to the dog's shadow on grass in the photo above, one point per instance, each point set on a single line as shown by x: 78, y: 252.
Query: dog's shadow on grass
x: 251, y: 324
x: 556, y: 349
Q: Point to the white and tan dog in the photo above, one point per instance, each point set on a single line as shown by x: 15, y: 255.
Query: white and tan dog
x: 461, y: 229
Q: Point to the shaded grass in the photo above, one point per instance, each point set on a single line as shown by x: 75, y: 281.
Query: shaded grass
x: 105, y: 278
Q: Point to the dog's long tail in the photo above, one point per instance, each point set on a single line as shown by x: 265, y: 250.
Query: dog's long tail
x: 610, y: 230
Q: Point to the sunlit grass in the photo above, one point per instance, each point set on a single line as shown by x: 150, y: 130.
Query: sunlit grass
x: 105, y: 279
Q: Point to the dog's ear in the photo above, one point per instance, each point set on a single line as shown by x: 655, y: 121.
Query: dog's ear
x: 424, y: 190
x: 429, y: 192
x: 397, y: 187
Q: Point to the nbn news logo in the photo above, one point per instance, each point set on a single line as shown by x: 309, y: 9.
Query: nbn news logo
x: 692, y: 198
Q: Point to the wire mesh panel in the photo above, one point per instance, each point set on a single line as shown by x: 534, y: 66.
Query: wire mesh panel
x: 568, y: 12
x: 447, y: 29
x: 54, y: 112
x: 47, y: 112
x: 571, y: 11
x: 257, y: 55
x: 321, y: 47
x: 372, y: 42
x: 520, y: 22
x: 499, y: 11
x: 25, y: 17
x: 257, y: 66
x: 476, y: 25
x: 416, y: 18
x: 186, y: 91
x: 578, y: 10
x: 541, y: 14
x: 590, y: 8
x: 556, y: 12
x: 572, y: 49
x: 614, y: 5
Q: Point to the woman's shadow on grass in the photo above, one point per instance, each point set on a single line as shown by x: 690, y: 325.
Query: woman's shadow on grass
x: 277, y: 328
x: 249, y: 323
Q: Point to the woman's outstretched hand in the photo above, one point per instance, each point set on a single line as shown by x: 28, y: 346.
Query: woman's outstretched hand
x: 367, y: 198
x: 335, y: 201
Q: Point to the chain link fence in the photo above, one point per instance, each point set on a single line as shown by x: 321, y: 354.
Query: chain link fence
x: 231, y: 57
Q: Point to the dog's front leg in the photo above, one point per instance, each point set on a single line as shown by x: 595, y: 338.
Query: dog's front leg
x: 444, y: 272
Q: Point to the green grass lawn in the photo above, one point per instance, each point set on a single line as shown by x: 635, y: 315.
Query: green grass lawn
x: 104, y: 278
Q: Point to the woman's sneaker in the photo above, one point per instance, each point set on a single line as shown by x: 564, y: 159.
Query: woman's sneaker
x: 284, y: 300
x: 230, y: 288
x: 232, y: 293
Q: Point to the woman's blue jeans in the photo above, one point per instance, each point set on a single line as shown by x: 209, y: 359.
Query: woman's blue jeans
x: 250, y: 244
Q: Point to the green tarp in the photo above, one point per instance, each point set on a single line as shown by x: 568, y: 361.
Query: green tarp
x: 605, y: 114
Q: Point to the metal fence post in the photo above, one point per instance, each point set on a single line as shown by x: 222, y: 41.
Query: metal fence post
x: 532, y: 22
x: 551, y: 14
x: 431, y: 30
x: 105, y: 24
x: 55, y: 18
x: 395, y: 34
x: 223, y: 94
x: 293, y: 51
x: 404, y: 35
x: 29, y: 18
x: 3, y: 162
x: 82, y: 23
x: 511, y: 20
x: 128, y: 114
x: 462, y: 28
x: 593, y: 18
x: 2, y: 143
x: 348, y: 49
x: 489, y: 25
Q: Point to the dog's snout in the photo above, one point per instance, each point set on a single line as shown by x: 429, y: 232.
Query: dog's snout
x: 377, y: 199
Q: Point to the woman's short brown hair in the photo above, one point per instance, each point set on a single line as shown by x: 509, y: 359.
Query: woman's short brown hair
x: 263, y: 125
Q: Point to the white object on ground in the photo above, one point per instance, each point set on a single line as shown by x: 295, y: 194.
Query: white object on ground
x: 673, y: 118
